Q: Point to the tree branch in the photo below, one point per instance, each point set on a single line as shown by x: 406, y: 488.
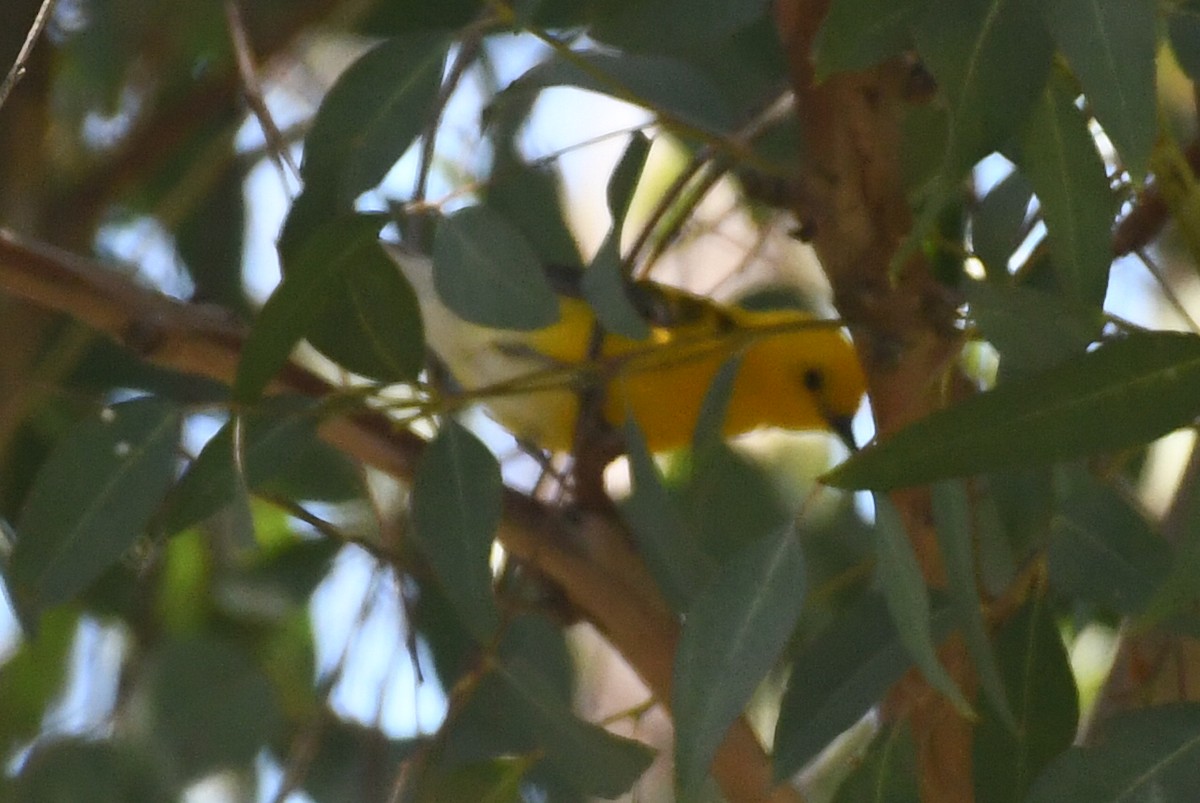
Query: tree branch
x: 589, y: 557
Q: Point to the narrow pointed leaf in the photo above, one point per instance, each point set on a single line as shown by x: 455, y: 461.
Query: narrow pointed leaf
x: 857, y: 34
x: 373, y: 114
x: 952, y: 520
x: 1111, y: 46
x: 732, y: 636
x: 1059, y: 156
x: 91, y: 500
x: 664, y: 540
x: 908, y: 600
x: 1127, y: 392
x: 309, y: 277
x: 456, y: 498
x: 1037, y: 676
x: 1152, y: 754
x: 834, y: 682
x: 888, y: 772
x: 487, y: 273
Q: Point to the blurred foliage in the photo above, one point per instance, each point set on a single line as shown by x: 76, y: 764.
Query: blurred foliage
x: 181, y: 554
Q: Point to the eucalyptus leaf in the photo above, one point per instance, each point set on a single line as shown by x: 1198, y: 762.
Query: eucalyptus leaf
x: 1124, y: 393
x: 91, y: 501
x: 732, y: 635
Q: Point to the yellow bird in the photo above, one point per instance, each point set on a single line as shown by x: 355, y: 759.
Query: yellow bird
x: 795, y: 373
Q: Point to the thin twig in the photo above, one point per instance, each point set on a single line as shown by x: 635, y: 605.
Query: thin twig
x: 255, y: 99
x: 1168, y: 291
x: 35, y: 32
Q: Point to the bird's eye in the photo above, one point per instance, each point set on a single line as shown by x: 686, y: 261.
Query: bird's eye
x: 814, y: 379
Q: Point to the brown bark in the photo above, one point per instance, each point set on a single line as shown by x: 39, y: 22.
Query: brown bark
x: 854, y: 207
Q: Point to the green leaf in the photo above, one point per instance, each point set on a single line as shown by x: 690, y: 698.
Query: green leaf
x: 347, y: 756
x: 858, y: 34
x: 1059, y: 156
x: 838, y: 677
x: 605, y: 286
x: 456, y: 500
x: 32, y: 676
x: 733, y: 634
x: 487, y: 273
x: 730, y: 501
x: 1152, y: 754
x: 592, y: 760
x: 1183, y: 28
x: 991, y: 58
x: 1126, y: 392
x: 91, y: 500
x: 1037, y: 675
x: 887, y: 774
x: 674, y: 25
x: 370, y: 323
x: 497, y: 780
x: 1031, y: 329
x: 310, y: 276
x: 679, y: 94
x: 209, y: 707
x: 664, y: 540
x: 952, y: 516
x: 276, y: 438
x: 59, y: 771
x: 710, y: 423
x: 998, y: 221
x: 899, y: 576
x: 1104, y: 550
x: 1110, y: 45
x: 372, y: 114
x: 528, y: 196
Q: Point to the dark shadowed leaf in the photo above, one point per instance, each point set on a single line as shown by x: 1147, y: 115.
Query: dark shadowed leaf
x: 1111, y: 45
x: 991, y: 58
x: 58, y: 771
x: 858, y: 34
x: 488, y: 274
x: 996, y: 224
x: 674, y: 25
x: 373, y: 113
x: 838, y: 677
x: 455, y: 510
x: 312, y: 272
x: 887, y: 774
x: 953, y: 520
x: 733, y: 633
x: 497, y: 780
x: 679, y: 94
x: 1059, y: 156
x: 91, y: 500
x: 592, y: 760
x: 899, y: 575
x: 1183, y: 27
x: 1127, y: 392
x: 1031, y: 329
x: 666, y: 543
x: 1037, y: 676
x: 1147, y: 755
x: 604, y: 285
x: 209, y: 706
x: 1104, y: 549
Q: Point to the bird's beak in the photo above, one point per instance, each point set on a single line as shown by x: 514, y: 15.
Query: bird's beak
x: 842, y: 427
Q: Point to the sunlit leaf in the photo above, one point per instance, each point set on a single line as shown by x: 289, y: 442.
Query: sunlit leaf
x: 1127, y: 392
x: 733, y: 633
x: 32, y: 675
